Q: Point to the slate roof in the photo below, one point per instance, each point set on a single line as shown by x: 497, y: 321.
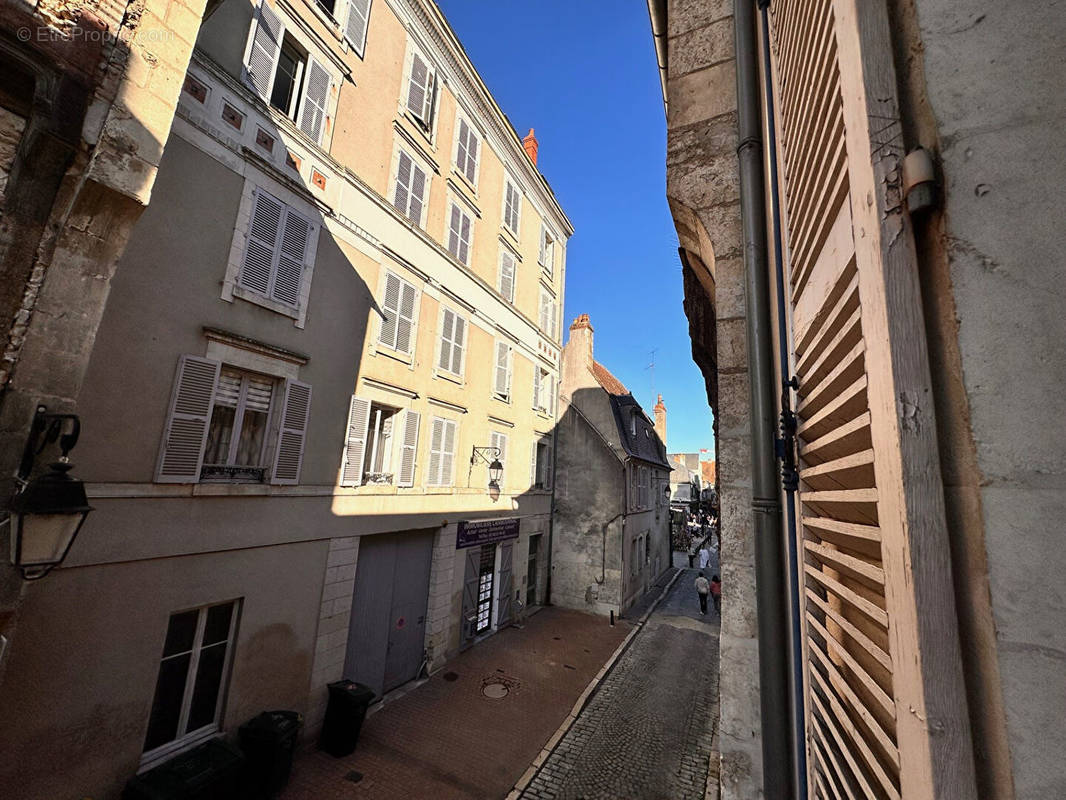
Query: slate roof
x: 646, y: 445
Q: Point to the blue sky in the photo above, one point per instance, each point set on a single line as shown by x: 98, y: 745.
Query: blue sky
x: 583, y: 74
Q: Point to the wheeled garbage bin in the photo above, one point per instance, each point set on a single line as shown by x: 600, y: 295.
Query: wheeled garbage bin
x: 348, y: 702
x: 211, y: 771
x: 269, y: 742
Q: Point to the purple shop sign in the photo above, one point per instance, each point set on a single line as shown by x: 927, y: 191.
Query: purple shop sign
x: 487, y: 531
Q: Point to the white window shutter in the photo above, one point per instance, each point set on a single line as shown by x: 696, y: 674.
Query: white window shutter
x: 189, y: 416
x: 447, y: 324
x: 296, y: 234
x: 294, y: 417
x: 435, y: 443
x: 316, y: 96
x: 358, y: 22
x: 454, y: 228
x: 402, y: 197
x: 500, y: 381
x: 431, y: 96
x: 533, y: 464
x: 390, y: 307
x: 447, y: 456
x: 458, y: 346
x: 355, y: 441
x: 263, y: 50
x: 547, y: 466
x: 462, y: 154
x: 471, y: 155
x: 408, y: 449
x: 260, y: 249
x: 420, y: 89
x: 544, y: 318
x: 464, y: 246
x: 541, y: 257
x: 418, y: 194
x: 507, y: 276
x: 406, y: 323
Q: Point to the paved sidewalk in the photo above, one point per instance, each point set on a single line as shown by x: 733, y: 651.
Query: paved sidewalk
x: 648, y: 732
x: 446, y: 739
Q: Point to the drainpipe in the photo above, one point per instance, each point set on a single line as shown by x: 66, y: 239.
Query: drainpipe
x: 786, y: 444
x: 657, y: 13
x: 766, y: 505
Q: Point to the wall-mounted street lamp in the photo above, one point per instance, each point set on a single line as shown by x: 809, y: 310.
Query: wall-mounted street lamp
x: 48, y: 511
x: 495, y: 467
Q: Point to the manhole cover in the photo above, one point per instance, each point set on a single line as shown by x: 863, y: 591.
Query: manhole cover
x: 495, y: 691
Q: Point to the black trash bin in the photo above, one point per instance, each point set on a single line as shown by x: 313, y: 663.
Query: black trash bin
x: 212, y: 771
x: 348, y: 702
x: 269, y: 742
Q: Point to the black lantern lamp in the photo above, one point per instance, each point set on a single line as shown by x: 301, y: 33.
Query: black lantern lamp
x: 48, y: 511
x: 495, y: 467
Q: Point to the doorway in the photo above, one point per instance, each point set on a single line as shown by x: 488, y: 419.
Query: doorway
x: 386, y: 635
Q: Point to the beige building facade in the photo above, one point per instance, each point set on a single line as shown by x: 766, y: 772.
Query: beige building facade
x: 341, y: 306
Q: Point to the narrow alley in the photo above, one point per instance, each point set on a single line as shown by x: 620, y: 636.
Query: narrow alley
x: 640, y: 737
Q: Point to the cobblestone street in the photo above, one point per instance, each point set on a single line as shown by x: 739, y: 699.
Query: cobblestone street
x: 649, y: 731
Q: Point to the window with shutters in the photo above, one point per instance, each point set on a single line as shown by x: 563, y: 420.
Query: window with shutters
x: 506, y: 283
x: 411, y: 188
x: 501, y: 374
x: 467, y: 149
x: 451, y: 353
x: 377, y: 460
x: 237, y: 434
x: 541, y: 466
x: 286, y: 75
x: 420, y: 95
x: 398, y: 309
x: 548, y: 313
x: 442, y: 443
x: 193, y: 671
x: 499, y: 442
x: 512, y: 206
x: 278, y: 248
x: 380, y: 445
x: 543, y: 390
x: 460, y: 233
x: 356, y: 25
x: 547, y: 249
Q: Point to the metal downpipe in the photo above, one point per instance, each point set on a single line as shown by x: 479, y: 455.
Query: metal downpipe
x: 766, y: 505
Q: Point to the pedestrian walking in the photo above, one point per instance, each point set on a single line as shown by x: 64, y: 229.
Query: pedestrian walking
x: 716, y: 594
x: 703, y: 588
x: 705, y: 557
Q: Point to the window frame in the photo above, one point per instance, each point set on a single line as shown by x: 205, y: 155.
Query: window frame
x: 436, y: 481
x: 546, y: 249
x: 407, y: 355
x: 461, y: 118
x: 427, y: 127
x: 269, y: 436
x: 512, y: 184
x: 504, y: 397
x: 505, y: 252
x: 547, y: 322
x: 456, y: 316
x: 189, y: 739
x: 454, y: 202
x: 394, y: 178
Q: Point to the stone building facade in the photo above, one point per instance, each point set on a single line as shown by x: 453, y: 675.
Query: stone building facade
x: 611, y: 521
x: 341, y: 306
x: 984, y: 360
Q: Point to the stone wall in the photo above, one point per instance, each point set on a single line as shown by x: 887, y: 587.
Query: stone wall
x: 702, y: 184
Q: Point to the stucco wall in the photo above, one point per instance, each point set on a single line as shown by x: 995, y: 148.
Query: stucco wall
x: 702, y: 184
x: 992, y: 112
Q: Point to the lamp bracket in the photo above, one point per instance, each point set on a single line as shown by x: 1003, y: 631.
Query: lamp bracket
x: 486, y: 454
x: 46, y: 429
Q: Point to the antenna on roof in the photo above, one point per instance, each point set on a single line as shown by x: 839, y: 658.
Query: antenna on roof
x: 651, y: 368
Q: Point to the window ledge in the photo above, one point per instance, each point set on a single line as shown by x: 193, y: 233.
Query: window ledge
x: 449, y: 376
x: 379, y: 349
x: 464, y: 181
x: 254, y: 297
x: 417, y: 125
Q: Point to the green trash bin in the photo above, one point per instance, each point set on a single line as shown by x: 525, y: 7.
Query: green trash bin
x: 269, y: 744
x: 211, y: 771
x: 348, y: 702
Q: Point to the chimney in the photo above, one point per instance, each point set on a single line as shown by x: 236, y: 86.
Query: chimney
x: 530, y: 143
x: 660, y: 420
x: 581, y: 337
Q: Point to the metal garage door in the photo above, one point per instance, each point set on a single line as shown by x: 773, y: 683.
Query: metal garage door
x: 386, y: 637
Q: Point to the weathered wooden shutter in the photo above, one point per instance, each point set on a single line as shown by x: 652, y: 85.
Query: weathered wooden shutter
x: 355, y: 441
x: 185, y: 433
x: 408, y: 449
x: 294, y: 417
x: 291, y: 255
x: 506, y: 584
x: 501, y: 380
x: 261, y: 246
x: 447, y: 456
x: 507, y: 276
x: 316, y: 97
x: 356, y: 26
x: 885, y: 707
x: 263, y: 50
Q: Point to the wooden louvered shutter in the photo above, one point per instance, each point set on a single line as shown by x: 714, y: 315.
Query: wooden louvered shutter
x: 408, y: 449
x: 355, y: 441
x: 533, y: 464
x: 291, y: 437
x: 501, y: 377
x: 185, y: 433
x: 536, y: 386
x: 358, y: 21
x: 402, y: 198
x: 885, y: 706
x: 462, y: 153
x: 316, y: 97
x: 418, y: 194
x: 261, y: 246
x: 436, y: 440
x: 291, y: 258
x: 454, y: 229
x: 507, y: 276
x: 447, y: 456
x: 499, y: 441
x: 390, y: 307
x: 263, y: 50
x: 420, y: 90
x: 405, y: 323
x: 503, y: 615
x: 458, y: 346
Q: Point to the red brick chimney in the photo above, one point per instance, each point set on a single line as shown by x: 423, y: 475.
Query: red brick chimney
x: 581, y: 336
x: 530, y: 143
x: 660, y: 420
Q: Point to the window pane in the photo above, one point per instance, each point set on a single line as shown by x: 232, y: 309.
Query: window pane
x: 250, y: 444
x: 217, y: 627
x: 285, y: 79
x: 180, y: 633
x: 169, y: 692
x: 219, y: 434
x: 208, y: 686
